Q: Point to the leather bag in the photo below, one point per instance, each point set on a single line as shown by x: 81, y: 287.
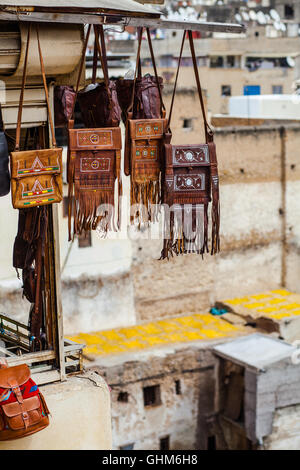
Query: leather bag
x: 191, y: 182
x: 98, y: 103
x: 94, y: 164
x: 36, y: 175
x: 4, y: 171
x: 143, y: 151
x: 23, y: 409
x: 63, y: 105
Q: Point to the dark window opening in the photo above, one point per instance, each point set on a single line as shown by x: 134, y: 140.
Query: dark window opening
x: 211, y: 443
x: 123, y: 397
x: 226, y: 90
x: 256, y: 34
x: 127, y: 447
x: 85, y: 240
x: 289, y: 12
x: 152, y: 395
x: 187, y: 123
x: 216, y: 62
x: 178, y: 387
x: 230, y: 61
x: 277, y: 89
x: 164, y: 443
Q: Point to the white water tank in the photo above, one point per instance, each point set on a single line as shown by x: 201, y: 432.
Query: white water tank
x: 265, y: 107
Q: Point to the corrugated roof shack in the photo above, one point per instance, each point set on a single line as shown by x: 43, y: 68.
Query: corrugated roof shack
x: 257, y: 394
x: 59, y: 21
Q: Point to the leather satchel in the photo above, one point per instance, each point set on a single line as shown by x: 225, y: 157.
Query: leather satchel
x: 191, y: 182
x: 4, y: 172
x: 63, y: 104
x: 94, y: 164
x: 98, y: 102
x: 23, y: 409
x: 143, y: 151
x: 36, y: 175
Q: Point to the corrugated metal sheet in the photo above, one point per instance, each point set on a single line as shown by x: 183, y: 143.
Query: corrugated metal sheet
x: 83, y: 5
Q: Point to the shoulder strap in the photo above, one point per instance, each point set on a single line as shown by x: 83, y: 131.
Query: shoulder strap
x: 138, y: 69
x: 208, y: 131
x: 18, y: 132
x: 81, y: 68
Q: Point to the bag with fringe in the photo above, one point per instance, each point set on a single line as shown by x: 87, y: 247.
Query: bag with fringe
x: 190, y: 183
x: 144, y: 147
x: 94, y: 164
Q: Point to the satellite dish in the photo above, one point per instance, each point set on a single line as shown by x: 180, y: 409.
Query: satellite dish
x: 282, y: 27
x: 238, y: 18
x: 291, y: 62
x: 274, y: 15
x: 261, y: 18
x: 245, y: 16
x: 252, y: 15
x: 277, y: 25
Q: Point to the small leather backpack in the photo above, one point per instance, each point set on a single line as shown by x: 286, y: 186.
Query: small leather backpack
x: 23, y: 410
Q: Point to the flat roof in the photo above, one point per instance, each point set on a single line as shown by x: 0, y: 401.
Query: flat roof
x: 257, y: 350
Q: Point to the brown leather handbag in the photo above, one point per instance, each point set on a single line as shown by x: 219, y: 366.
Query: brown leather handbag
x: 36, y: 175
x: 23, y: 409
x: 94, y: 164
x: 143, y: 151
x: 191, y: 182
x: 63, y: 104
x: 98, y: 102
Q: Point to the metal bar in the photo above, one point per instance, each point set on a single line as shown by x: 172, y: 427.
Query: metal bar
x: 123, y: 21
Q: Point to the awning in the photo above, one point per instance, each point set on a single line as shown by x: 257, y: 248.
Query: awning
x: 119, y: 12
x: 128, y: 6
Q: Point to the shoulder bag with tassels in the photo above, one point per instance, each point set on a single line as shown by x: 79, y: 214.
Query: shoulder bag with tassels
x: 190, y: 182
x: 36, y: 175
x: 94, y: 163
x: 143, y: 150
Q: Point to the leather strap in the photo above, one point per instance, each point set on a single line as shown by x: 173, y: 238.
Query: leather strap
x: 18, y: 132
x: 81, y: 68
x: 208, y: 131
x: 138, y: 69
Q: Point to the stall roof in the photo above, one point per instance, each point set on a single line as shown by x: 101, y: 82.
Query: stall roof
x: 129, y: 6
x: 114, y: 12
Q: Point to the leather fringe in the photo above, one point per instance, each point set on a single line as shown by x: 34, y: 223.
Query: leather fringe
x: 183, y: 241
x: 147, y: 195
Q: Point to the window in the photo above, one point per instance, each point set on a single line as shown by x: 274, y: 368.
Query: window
x: 152, y: 395
x: 127, y: 447
x: 85, y: 240
x: 277, y: 89
x: 164, y: 443
x: 230, y: 61
x: 187, y: 124
x: 177, y: 387
x: 226, y: 90
x: 216, y: 62
x: 289, y: 12
x: 123, y: 397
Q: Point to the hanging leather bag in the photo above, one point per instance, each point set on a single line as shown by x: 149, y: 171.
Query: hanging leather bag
x: 36, y: 175
x: 63, y: 105
x: 23, y: 409
x: 98, y: 102
x: 94, y: 164
x: 143, y: 150
x: 4, y: 171
x: 190, y: 181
